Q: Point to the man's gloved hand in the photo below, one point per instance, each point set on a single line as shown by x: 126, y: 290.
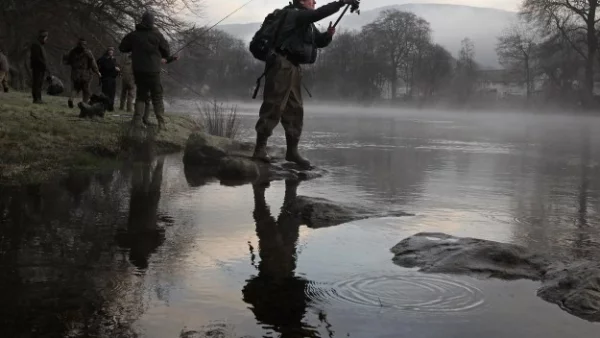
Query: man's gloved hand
x: 330, y: 29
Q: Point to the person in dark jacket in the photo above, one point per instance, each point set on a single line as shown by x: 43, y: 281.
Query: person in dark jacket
x: 109, y: 68
x: 38, y: 65
x: 282, y: 97
x: 147, y: 47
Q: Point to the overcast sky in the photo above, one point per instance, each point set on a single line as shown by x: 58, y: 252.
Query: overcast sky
x: 217, y: 9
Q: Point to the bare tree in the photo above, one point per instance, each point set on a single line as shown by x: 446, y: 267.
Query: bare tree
x: 574, y: 20
x: 466, y: 71
x: 516, y: 50
x: 397, y: 34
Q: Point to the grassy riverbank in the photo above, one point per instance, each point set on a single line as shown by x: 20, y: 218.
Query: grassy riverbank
x: 41, y: 141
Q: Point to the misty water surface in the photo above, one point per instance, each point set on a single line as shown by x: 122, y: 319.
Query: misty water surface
x: 148, y: 251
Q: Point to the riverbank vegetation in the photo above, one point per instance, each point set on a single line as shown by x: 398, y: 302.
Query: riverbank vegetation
x: 39, y: 141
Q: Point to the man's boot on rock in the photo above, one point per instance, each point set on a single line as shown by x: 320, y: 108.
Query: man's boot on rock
x: 260, y: 150
x: 292, y: 154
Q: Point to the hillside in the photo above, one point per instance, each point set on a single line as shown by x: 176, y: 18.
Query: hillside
x: 450, y: 24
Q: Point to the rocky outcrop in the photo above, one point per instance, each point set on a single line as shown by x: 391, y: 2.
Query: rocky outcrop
x: 321, y: 213
x: 231, y: 162
x: 574, y: 286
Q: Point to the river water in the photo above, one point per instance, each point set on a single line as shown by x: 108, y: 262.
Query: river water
x: 148, y: 251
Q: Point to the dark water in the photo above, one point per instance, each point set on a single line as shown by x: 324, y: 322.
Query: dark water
x: 141, y: 252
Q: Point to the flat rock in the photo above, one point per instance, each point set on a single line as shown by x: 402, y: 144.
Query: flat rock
x: 321, y: 213
x: 231, y: 162
x: 574, y: 286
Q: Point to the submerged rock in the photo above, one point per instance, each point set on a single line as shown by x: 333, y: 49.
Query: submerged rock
x: 231, y: 162
x: 321, y: 213
x: 574, y: 286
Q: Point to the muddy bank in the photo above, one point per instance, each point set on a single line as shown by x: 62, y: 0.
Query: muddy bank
x: 573, y: 285
x: 230, y: 161
x: 40, y: 141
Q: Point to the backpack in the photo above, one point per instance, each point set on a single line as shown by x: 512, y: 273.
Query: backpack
x: 263, y: 41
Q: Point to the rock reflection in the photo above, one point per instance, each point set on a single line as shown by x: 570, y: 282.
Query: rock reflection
x: 278, y: 297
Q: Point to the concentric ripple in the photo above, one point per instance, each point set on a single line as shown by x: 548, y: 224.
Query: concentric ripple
x: 415, y: 293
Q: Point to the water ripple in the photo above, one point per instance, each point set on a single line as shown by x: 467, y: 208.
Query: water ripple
x: 412, y: 293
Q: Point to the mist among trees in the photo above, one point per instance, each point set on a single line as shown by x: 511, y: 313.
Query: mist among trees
x: 549, y: 55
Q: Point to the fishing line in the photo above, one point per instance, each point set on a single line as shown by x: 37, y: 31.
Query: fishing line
x: 213, y: 26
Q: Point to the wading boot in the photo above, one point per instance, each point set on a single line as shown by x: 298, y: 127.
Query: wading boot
x: 70, y: 103
x: 260, y: 150
x: 292, y: 154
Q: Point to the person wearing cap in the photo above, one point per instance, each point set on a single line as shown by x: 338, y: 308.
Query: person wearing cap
x: 148, y: 47
x: 109, y: 68
x: 82, y: 64
x: 4, y: 70
x: 39, y: 66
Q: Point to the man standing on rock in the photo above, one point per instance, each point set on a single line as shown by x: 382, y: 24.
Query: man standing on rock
x: 109, y: 69
x: 4, y: 71
x: 148, y: 47
x: 282, y: 97
x: 82, y: 64
x: 38, y: 65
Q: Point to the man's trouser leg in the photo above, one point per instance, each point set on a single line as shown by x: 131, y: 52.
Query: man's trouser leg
x: 109, y: 88
x: 85, y: 88
x: 147, y: 109
x: 142, y: 85
x: 4, y: 81
x: 156, y: 94
x: 292, y: 120
x: 279, y: 81
x: 37, y: 82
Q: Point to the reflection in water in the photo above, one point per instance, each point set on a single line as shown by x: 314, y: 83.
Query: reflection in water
x: 143, y: 236
x: 278, y: 297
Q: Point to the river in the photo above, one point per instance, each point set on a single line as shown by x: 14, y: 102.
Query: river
x: 145, y: 251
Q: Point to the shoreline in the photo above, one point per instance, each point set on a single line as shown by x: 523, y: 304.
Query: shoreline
x: 39, y: 142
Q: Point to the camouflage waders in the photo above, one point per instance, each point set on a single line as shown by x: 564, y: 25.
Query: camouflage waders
x: 127, y: 95
x: 148, y: 88
x: 282, y: 101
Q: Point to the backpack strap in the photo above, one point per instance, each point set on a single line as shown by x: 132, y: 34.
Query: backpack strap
x: 267, y: 66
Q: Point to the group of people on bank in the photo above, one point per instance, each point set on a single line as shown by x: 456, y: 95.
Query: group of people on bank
x: 144, y: 51
x: 147, y: 50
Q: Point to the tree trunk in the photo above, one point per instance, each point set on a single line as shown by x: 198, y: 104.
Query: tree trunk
x: 528, y: 76
x: 394, y: 82
x: 592, y: 44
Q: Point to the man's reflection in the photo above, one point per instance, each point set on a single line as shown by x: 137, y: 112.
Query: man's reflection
x: 277, y: 296
x: 143, y: 236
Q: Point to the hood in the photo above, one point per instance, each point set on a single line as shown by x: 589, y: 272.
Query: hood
x: 147, y: 21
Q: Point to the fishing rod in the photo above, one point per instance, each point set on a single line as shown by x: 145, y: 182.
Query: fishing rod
x: 213, y: 26
x: 354, y: 7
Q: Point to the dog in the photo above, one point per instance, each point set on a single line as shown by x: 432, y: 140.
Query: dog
x: 97, y: 106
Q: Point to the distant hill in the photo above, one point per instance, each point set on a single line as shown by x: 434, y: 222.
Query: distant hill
x: 449, y: 23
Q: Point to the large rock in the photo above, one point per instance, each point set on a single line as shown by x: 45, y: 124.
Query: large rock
x: 437, y: 252
x: 231, y: 162
x: 320, y: 213
x: 574, y: 286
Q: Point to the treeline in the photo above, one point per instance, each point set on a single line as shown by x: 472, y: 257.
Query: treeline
x: 391, y: 58
x: 553, y: 49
